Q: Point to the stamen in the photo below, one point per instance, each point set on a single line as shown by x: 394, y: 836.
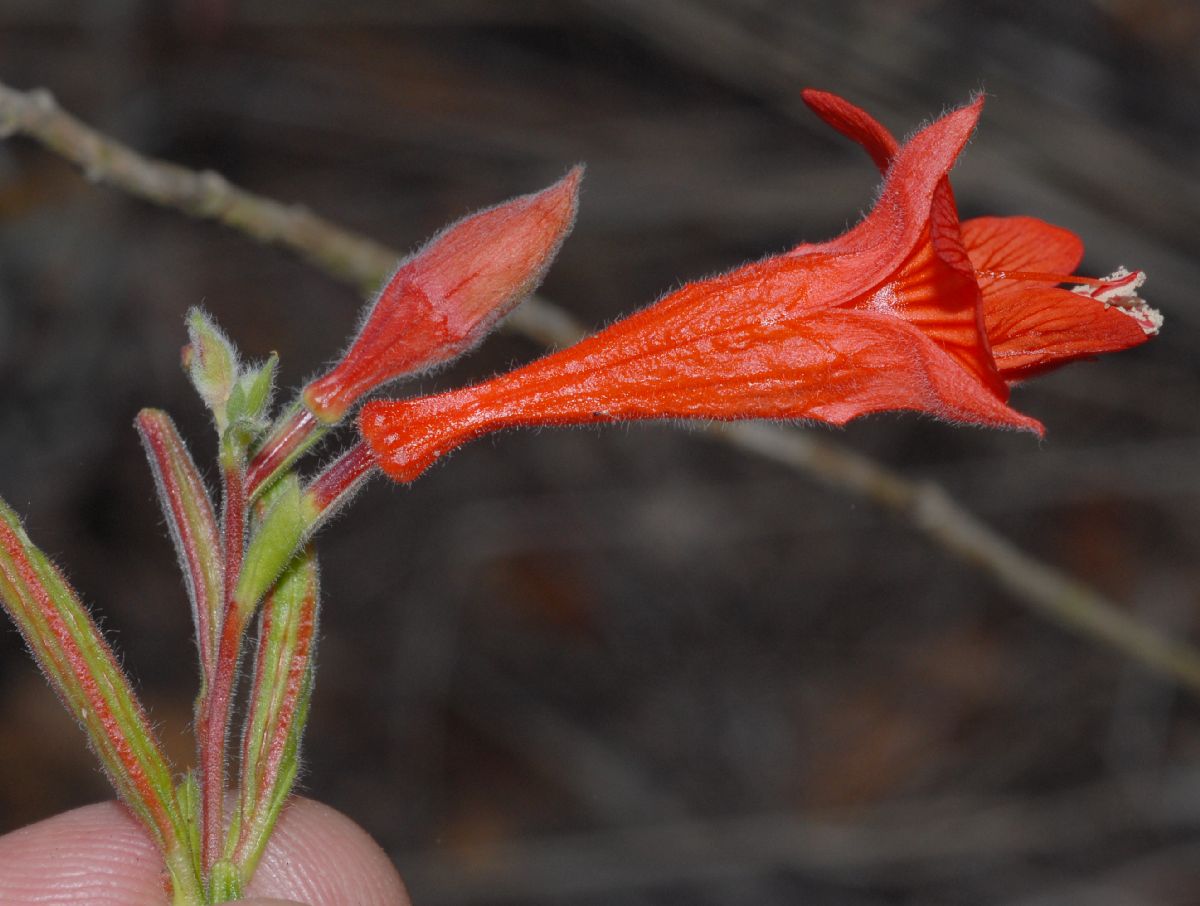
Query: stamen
x: 1119, y: 290
x: 1041, y: 277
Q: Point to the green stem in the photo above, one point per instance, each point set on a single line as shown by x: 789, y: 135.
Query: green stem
x: 217, y: 699
x: 185, y: 886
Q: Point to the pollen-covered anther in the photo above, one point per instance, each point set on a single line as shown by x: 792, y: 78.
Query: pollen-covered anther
x: 1120, y: 290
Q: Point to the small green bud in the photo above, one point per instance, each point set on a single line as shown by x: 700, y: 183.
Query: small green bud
x: 212, y: 364
x: 258, y: 384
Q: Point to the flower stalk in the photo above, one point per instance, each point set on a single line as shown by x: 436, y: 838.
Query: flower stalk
x: 289, y: 439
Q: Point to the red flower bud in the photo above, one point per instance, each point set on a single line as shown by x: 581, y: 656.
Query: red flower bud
x: 446, y: 297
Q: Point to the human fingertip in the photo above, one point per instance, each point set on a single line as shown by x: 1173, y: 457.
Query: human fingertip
x: 319, y: 857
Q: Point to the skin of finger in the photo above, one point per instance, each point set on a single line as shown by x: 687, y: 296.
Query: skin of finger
x: 99, y: 855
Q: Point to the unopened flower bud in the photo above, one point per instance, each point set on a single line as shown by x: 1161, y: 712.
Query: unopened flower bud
x: 445, y: 298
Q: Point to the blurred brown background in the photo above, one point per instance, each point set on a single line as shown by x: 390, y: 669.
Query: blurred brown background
x: 632, y: 666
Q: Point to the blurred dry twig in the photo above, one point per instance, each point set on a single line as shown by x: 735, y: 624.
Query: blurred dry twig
x: 365, y: 263
x: 206, y: 195
x: 932, y: 838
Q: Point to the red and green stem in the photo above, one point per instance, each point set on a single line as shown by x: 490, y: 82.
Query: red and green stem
x: 295, y: 433
x: 216, y: 704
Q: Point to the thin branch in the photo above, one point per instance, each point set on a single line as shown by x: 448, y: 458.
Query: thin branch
x: 1049, y: 591
x: 364, y: 263
x: 205, y: 195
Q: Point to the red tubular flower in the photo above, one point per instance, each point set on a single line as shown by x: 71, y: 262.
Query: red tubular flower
x: 905, y: 311
x: 445, y: 298
x: 1031, y: 324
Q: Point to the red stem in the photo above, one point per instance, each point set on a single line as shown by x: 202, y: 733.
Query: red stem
x: 283, y: 443
x: 342, y: 477
x: 213, y: 735
x: 233, y: 527
x: 214, y: 715
x: 332, y: 486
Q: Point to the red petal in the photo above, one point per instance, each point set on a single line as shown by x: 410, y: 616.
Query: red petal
x: 938, y: 290
x: 831, y: 365
x: 854, y: 123
x: 1000, y: 244
x: 936, y: 293
x: 869, y: 254
x: 1034, y: 329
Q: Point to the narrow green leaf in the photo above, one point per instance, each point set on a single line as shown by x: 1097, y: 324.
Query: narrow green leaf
x: 192, y: 521
x: 278, y: 709
x: 80, y: 666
